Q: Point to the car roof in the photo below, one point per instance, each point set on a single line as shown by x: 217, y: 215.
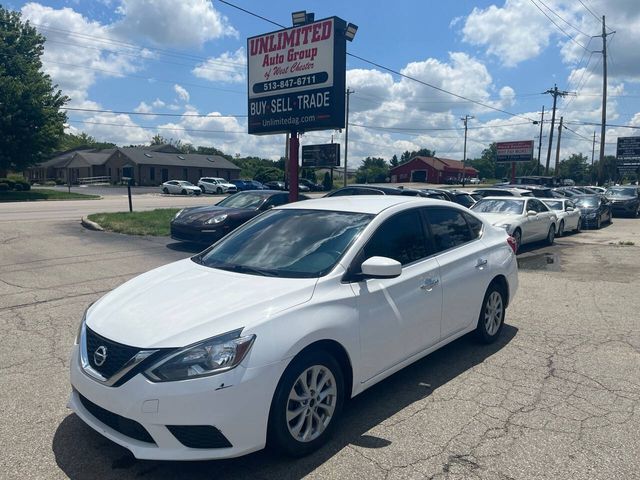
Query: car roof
x: 373, y: 204
x: 506, y: 198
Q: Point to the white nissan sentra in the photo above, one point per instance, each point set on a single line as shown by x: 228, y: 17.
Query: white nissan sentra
x: 261, y: 338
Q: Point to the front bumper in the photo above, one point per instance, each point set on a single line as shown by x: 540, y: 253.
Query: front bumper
x: 590, y: 222
x: 629, y: 208
x: 208, y: 236
x: 236, y: 403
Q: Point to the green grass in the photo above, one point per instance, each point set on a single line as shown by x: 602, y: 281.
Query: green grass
x: 43, y: 194
x: 153, y: 222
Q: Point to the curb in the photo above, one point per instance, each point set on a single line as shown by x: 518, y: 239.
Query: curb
x: 88, y: 224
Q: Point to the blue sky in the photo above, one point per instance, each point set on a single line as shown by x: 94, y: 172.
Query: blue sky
x: 187, y: 58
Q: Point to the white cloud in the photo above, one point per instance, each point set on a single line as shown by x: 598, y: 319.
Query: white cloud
x: 182, y: 92
x: 228, y: 67
x: 186, y: 23
x: 143, y: 108
x: 76, y: 54
x: 157, y: 103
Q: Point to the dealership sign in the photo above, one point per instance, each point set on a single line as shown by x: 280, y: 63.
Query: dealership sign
x: 628, y: 153
x: 323, y: 155
x: 296, y: 78
x: 514, y: 151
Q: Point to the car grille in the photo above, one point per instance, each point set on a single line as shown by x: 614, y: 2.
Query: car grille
x: 199, y: 436
x: 117, y: 355
x: 120, y: 424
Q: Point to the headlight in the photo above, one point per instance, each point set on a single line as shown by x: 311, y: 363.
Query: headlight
x: 506, y: 226
x: 217, y: 219
x: 591, y: 215
x: 84, y: 318
x: 215, y: 355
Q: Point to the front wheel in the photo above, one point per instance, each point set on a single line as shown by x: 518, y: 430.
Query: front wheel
x: 218, y: 190
x: 307, y: 404
x: 599, y: 223
x: 551, y: 235
x: 561, y: 228
x: 491, y: 318
x: 579, y: 225
x: 517, y: 236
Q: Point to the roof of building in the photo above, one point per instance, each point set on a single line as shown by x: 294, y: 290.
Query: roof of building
x: 438, y: 163
x: 143, y: 156
x: 95, y: 157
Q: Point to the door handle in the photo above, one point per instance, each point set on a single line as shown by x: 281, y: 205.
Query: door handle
x: 429, y: 283
x: 481, y: 263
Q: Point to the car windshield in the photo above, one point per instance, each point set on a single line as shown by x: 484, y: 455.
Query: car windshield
x: 591, y: 202
x: 464, y: 199
x: 291, y: 243
x: 554, y: 205
x: 507, y: 206
x: 621, y: 192
x: 243, y: 200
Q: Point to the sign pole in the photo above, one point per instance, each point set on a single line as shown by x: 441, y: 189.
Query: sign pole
x: 294, y: 147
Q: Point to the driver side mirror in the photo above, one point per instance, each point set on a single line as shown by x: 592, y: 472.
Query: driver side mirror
x: 569, y: 209
x: 531, y: 213
x: 381, y: 267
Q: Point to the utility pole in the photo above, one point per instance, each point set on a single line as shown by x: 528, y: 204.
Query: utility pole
x: 593, y: 153
x: 555, y: 93
x: 603, y: 126
x: 558, y: 144
x: 346, y: 137
x: 464, y: 157
x: 540, y: 142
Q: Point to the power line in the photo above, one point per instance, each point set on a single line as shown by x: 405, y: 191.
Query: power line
x: 148, y: 127
x: 589, y: 10
x: 151, y: 114
x: 558, y: 26
x: 392, y: 70
x: 561, y: 18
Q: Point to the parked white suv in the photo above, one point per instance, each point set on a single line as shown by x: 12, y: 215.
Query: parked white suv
x: 216, y: 185
x: 283, y: 320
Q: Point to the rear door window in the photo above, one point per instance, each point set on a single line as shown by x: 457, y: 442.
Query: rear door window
x: 449, y: 228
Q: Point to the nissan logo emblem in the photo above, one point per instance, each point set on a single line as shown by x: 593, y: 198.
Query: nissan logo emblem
x: 100, y: 356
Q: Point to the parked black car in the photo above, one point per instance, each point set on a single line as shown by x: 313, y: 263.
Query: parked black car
x: 376, y: 190
x: 595, y: 210
x: 314, y: 187
x: 209, y: 223
x: 460, y: 197
x: 275, y: 185
x: 624, y: 200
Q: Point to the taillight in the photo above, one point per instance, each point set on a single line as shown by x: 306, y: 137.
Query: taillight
x: 512, y: 243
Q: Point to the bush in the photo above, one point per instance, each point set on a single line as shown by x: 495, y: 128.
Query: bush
x: 26, y: 186
x: 17, y: 187
x: 4, y: 187
x: 10, y: 183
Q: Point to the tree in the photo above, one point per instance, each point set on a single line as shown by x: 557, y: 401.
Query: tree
x: 407, y: 155
x: 70, y: 141
x: 394, y: 161
x: 373, y: 170
x: 574, y: 167
x: 158, y: 139
x: 326, y: 182
x: 31, y: 122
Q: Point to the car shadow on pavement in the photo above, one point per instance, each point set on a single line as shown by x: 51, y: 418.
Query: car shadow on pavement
x: 83, y: 454
x: 186, y: 247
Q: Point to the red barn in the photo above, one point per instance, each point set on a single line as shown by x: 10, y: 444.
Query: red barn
x: 431, y: 170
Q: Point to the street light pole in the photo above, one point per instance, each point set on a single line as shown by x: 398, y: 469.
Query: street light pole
x: 346, y: 136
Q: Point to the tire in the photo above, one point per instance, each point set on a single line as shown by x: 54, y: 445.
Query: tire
x: 561, y: 228
x: 599, y: 223
x: 165, y: 190
x: 184, y: 192
x: 492, y: 312
x: 517, y: 235
x: 579, y: 225
x: 287, y: 435
x: 551, y: 235
x: 218, y: 190
x: 198, y: 193
x: 204, y: 190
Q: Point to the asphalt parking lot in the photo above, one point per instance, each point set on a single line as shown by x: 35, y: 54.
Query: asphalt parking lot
x: 557, y: 397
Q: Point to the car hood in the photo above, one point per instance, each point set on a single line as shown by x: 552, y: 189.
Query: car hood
x: 201, y: 214
x: 622, y: 199
x: 183, y: 303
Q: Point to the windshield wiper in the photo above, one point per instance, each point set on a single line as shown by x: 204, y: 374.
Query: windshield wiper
x: 247, y: 269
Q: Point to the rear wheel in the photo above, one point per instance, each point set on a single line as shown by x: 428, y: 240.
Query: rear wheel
x: 307, y: 404
x: 551, y: 235
x: 491, y: 317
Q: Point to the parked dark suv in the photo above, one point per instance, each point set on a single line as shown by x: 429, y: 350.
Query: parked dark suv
x: 624, y: 200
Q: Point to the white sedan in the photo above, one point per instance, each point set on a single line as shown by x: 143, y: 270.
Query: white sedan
x: 314, y: 303
x: 180, y: 187
x: 526, y: 219
x: 569, y: 216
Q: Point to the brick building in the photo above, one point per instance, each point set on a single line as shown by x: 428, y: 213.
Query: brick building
x: 431, y: 170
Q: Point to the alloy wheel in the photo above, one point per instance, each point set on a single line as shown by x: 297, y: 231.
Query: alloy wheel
x: 493, y: 312
x: 311, y: 403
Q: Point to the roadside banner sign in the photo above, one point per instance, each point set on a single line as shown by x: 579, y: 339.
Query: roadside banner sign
x: 296, y: 78
x: 521, y: 151
x: 628, y: 153
x: 323, y: 155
